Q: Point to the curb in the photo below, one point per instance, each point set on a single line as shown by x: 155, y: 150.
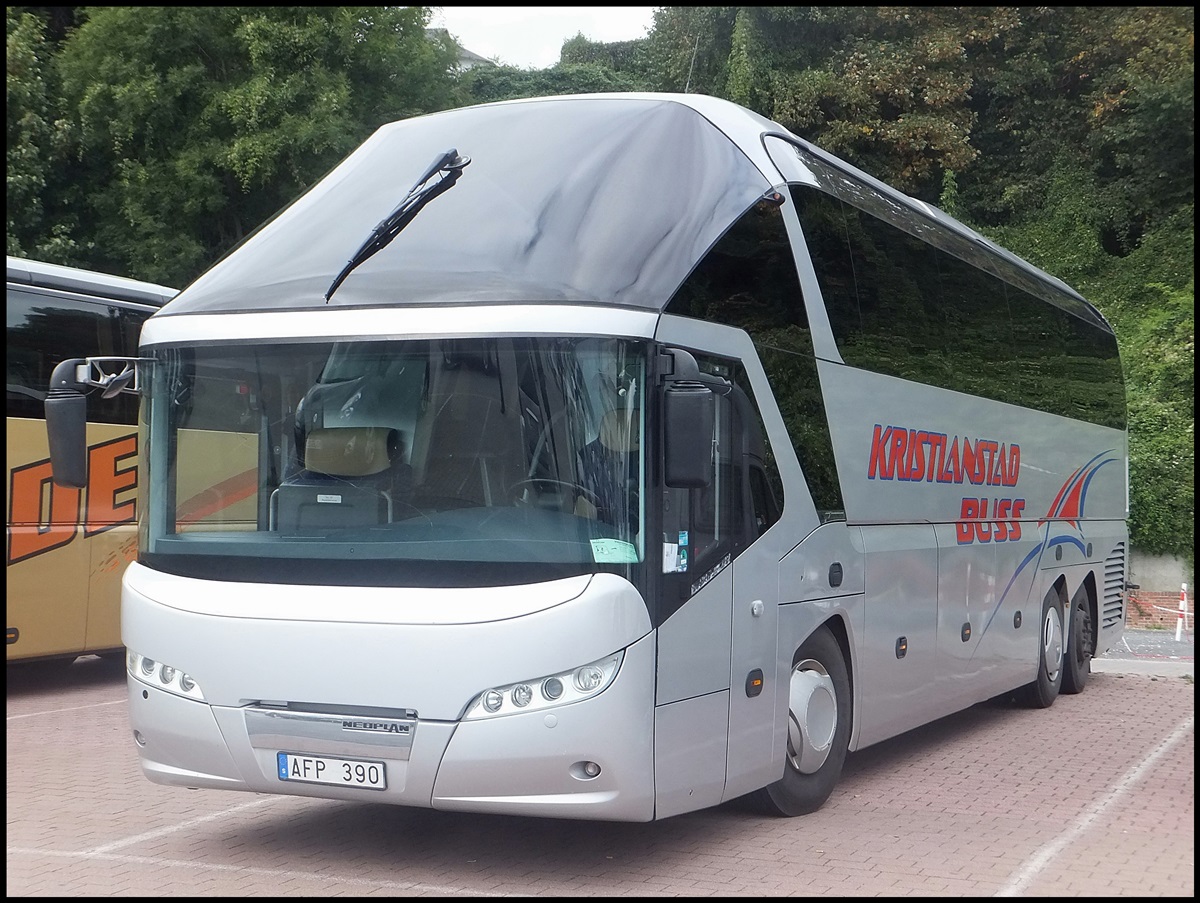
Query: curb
x: 1157, y: 667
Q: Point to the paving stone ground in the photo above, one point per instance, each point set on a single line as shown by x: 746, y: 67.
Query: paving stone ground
x: 1094, y: 796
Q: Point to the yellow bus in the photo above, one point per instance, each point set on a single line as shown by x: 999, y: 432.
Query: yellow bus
x: 67, y: 548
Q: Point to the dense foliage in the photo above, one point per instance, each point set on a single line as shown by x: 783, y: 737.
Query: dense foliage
x: 150, y: 140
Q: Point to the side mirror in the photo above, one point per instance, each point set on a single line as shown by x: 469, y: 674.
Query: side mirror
x: 66, y: 426
x: 688, y: 416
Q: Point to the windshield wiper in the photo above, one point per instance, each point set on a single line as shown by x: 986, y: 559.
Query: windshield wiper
x: 450, y: 165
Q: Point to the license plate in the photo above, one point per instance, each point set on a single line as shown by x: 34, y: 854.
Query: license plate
x: 326, y: 770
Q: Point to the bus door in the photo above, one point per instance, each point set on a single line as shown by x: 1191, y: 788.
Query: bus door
x: 720, y: 612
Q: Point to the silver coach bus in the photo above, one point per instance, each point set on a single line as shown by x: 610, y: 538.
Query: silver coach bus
x: 638, y: 457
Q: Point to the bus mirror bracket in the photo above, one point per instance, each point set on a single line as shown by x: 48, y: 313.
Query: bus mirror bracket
x: 689, y: 407
x: 66, y: 409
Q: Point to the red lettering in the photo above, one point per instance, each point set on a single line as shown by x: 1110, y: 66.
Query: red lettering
x: 969, y: 511
x: 972, y: 460
x: 1002, y: 510
x: 1018, y: 509
x: 107, y: 480
x: 41, y: 516
x: 899, y: 442
x: 984, y: 535
x: 880, y: 466
x: 1014, y: 465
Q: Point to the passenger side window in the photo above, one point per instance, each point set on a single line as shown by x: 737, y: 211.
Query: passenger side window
x: 706, y: 528
x: 45, y: 329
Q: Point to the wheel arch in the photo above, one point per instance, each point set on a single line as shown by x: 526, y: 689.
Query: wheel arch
x: 1086, y: 594
x: 840, y: 629
x: 1059, y: 587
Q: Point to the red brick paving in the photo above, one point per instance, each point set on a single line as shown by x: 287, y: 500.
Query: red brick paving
x: 1094, y: 796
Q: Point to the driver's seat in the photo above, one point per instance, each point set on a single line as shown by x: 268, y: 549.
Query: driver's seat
x: 347, y: 481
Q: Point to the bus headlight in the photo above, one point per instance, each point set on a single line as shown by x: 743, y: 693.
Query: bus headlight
x: 162, y: 676
x: 552, y: 690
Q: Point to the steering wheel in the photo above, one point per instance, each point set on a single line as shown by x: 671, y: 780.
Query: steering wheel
x: 565, y: 500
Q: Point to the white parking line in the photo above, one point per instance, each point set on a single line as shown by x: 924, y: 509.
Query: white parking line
x: 336, y: 880
x: 1029, y: 873
x: 181, y: 826
x: 59, y: 711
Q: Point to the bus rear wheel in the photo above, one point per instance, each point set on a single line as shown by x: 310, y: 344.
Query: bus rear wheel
x: 1078, y: 658
x: 1041, y: 692
x: 818, y: 729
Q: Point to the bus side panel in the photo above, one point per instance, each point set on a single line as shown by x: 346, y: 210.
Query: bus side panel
x: 911, y: 453
x: 691, y: 712
x: 898, y: 662
x: 54, y: 604
x: 693, y: 644
x: 109, y: 528
x: 110, y: 553
x: 989, y: 603
x: 689, y: 754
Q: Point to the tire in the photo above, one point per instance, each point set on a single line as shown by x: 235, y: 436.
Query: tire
x: 818, y: 730
x: 1077, y: 664
x: 1042, y: 691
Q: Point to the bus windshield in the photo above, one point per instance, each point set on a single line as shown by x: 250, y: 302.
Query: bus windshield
x: 396, y: 462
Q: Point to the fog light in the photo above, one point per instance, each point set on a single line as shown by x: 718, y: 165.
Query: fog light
x: 591, y: 769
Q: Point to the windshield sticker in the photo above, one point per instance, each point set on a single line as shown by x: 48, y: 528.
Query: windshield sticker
x: 613, y: 551
x: 675, y: 558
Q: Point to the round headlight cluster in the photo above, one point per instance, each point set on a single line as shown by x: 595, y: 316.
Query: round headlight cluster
x: 163, y: 676
x: 557, y: 689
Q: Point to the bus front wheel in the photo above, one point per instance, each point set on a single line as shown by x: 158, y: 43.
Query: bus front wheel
x: 1041, y: 692
x: 818, y: 729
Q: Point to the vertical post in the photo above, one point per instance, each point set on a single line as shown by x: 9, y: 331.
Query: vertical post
x: 1182, y: 614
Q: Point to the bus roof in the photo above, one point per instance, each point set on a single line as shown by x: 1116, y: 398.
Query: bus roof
x: 87, y: 282
x: 608, y: 198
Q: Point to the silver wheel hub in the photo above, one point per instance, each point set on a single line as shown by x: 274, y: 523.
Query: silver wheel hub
x: 812, y: 716
x: 1052, y: 642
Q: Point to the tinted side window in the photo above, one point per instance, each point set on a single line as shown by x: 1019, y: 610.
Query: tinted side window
x: 904, y: 306
x: 748, y: 280
x: 45, y: 329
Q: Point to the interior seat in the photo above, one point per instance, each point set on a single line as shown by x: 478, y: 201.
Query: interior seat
x: 348, y: 479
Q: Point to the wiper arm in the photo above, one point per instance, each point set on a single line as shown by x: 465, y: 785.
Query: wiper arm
x: 450, y: 164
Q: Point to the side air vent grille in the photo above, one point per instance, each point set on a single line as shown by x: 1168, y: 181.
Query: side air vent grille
x: 1114, y: 588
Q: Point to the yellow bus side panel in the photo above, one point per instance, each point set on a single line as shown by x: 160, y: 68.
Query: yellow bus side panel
x: 66, y: 548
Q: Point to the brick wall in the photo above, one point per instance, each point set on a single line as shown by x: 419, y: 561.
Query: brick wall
x: 1145, y: 610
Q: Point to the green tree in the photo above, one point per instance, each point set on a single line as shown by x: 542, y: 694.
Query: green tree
x: 33, y: 135
x: 486, y: 84
x: 196, y: 124
x: 886, y: 87
x: 1066, y: 133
